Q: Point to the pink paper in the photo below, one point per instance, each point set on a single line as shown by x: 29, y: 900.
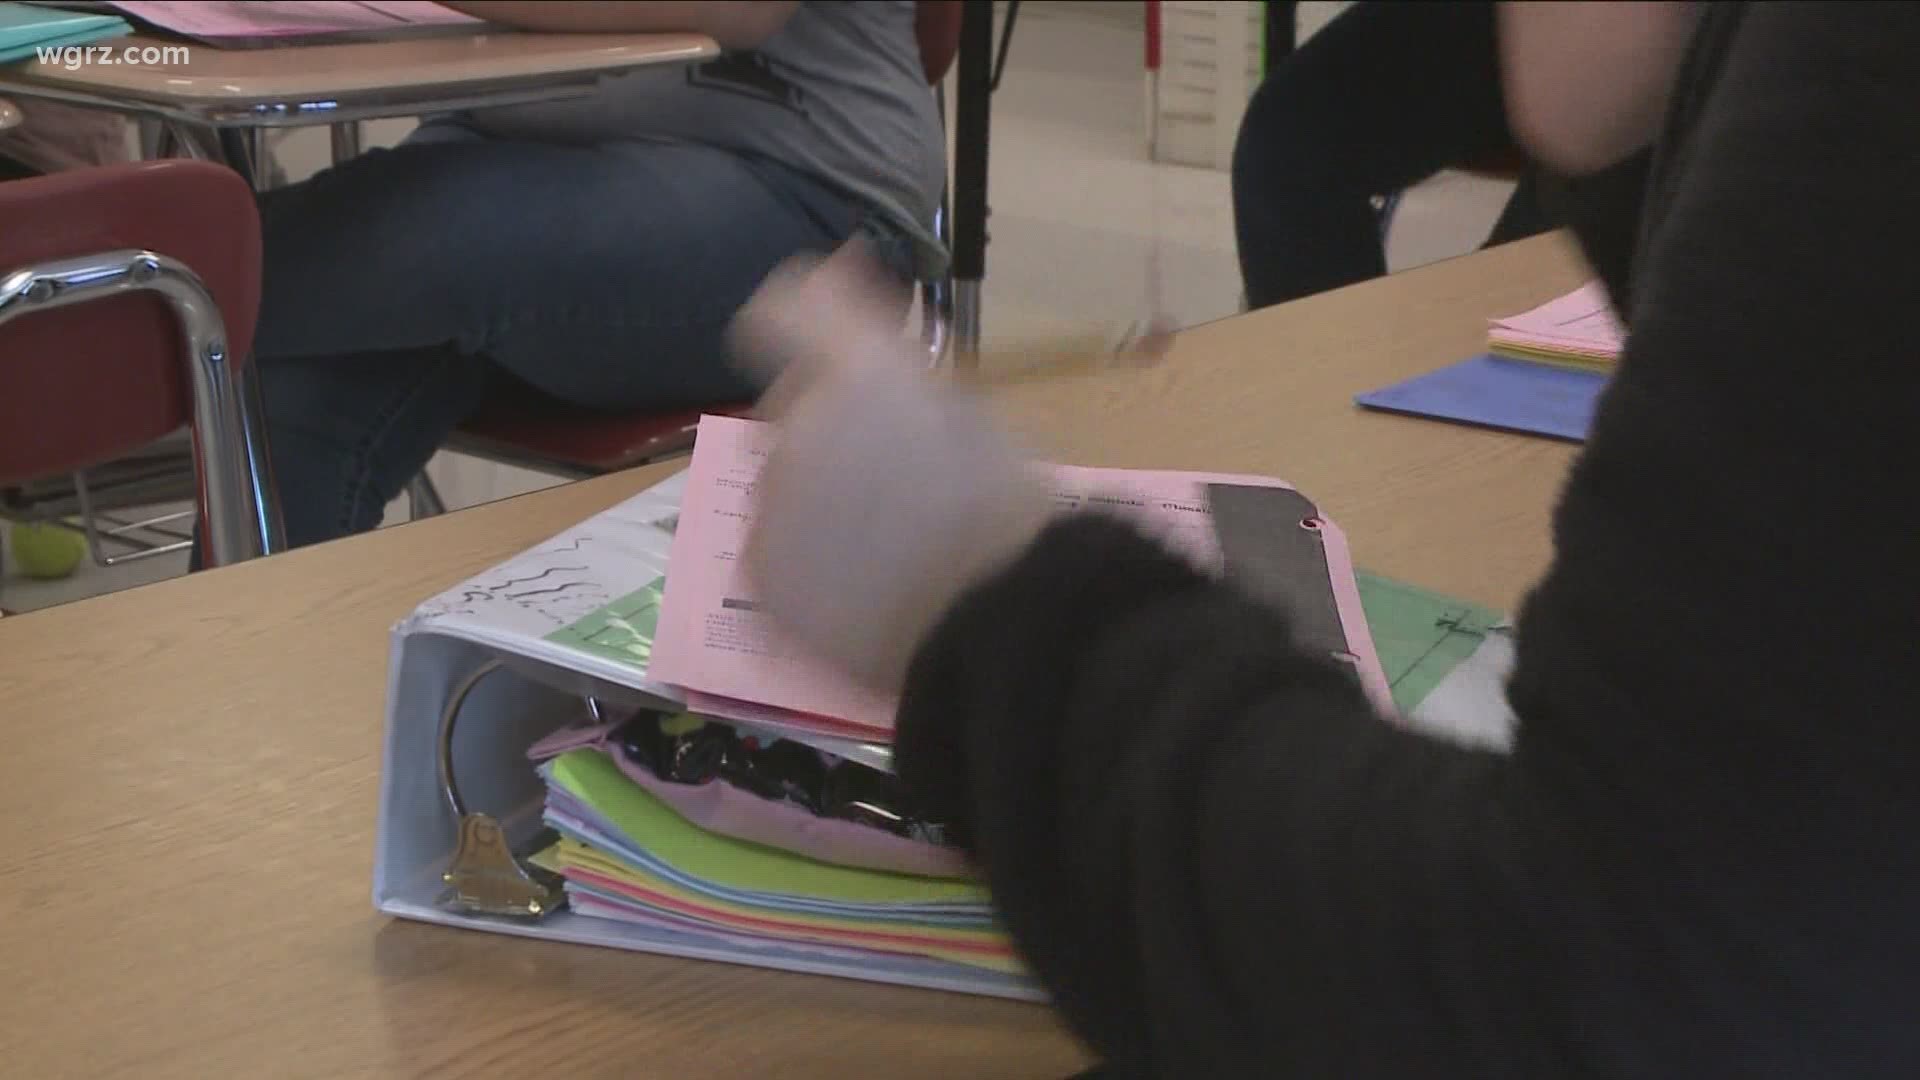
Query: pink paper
x: 601, y: 906
x: 710, y: 637
x: 217, y: 19
x: 1581, y: 322
x: 712, y: 642
x: 1173, y: 507
x: 877, y: 939
x: 783, y: 721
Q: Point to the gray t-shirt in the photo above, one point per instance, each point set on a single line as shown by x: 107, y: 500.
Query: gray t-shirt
x: 838, y: 93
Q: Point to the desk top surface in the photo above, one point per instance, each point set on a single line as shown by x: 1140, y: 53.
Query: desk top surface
x: 1457, y: 509
x: 468, y: 69
x: 190, y: 789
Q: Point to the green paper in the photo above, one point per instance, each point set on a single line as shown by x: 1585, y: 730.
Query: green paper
x: 622, y: 631
x: 1266, y: 62
x: 594, y: 779
x: 1420, y: 636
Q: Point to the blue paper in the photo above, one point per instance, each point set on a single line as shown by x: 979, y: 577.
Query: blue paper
x: 1512, y: 395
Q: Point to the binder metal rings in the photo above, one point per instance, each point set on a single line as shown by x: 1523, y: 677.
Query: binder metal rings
x: 484, y: 877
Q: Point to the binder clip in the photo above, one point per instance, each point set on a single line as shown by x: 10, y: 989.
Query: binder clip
x: 484, y: 876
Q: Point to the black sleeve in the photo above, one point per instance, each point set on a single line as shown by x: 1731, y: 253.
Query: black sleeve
x: 1603, y: 211
x: 1700, y: 857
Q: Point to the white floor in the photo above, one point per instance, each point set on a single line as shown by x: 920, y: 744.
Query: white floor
x: 1087, y: 235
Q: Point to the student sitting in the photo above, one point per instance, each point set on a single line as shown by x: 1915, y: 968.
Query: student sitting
x: 590, y: 249
x: 1385, y: 96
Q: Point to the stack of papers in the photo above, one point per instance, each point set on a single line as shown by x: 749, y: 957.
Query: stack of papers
x: 627, y: 856
x: 1578, y: 330
x: 27, y: 31
x: 1543, y: 375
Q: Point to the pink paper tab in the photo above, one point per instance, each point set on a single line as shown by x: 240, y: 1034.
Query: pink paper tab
x: 712, y: 641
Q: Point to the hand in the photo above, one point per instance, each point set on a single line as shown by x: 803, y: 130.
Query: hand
x: 889, y: 492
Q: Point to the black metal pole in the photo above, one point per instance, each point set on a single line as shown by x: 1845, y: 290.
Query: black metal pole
x: 1282, y: 21
x: 973, y: 87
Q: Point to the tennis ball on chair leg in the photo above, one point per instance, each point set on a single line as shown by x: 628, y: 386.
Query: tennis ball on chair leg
x: 46, y: 551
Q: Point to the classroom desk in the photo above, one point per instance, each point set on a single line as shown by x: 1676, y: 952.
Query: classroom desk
x: 188, y: 795
x: 1452, y: 508
x: 300, y: 85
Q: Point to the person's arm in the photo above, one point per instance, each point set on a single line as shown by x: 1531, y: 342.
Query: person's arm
x: 1586, y: 83
x: 735, y: 24
x: 1698, y: 859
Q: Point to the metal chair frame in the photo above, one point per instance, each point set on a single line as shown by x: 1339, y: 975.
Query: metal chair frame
x: 238, y: 503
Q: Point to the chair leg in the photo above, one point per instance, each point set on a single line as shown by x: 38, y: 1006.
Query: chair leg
x: 423, y: 498
x: 89, y: 521
x: 263, y: 495
x: 936, y: 301
x: 966, y: 323
x: 345, y: 139
x: 933, y: 325
x: 973, y: 88
x: 189, y: 141
x: 156, y: 140
x: 936, y: 296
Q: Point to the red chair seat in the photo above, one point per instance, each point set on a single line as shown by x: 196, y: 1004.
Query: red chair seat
x: 537, y: 432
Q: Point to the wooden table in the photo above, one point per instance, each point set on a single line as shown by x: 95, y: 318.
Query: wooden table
x: 1451, y: 508
x: 324, y: 84
x: 189, y: 789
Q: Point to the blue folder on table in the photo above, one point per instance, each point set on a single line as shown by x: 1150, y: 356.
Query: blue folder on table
x: 1511, y: 395
x: 25, y: 30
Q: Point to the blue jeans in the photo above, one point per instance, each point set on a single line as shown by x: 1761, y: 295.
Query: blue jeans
x: 401, y: 288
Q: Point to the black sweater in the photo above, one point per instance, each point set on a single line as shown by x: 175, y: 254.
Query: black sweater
x: 1702, y: 857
